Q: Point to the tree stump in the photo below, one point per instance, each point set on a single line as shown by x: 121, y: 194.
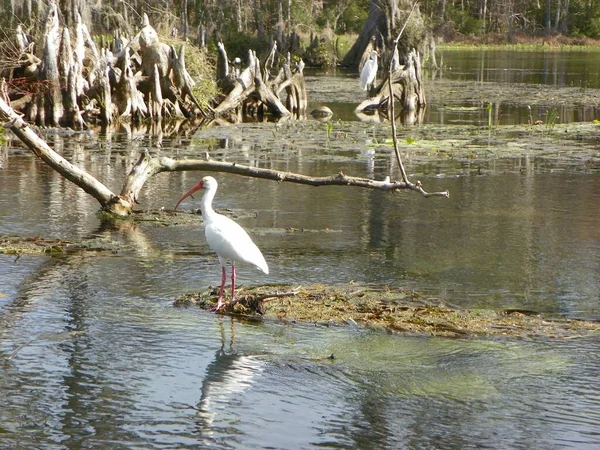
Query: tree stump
x: 254, y: 90
x: 73, y: 83
x: 407, y: 88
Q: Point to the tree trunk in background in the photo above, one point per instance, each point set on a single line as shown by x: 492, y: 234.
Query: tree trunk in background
x: 280, y: 23
x: 564, y: 24
x: 46, y: 105
x: 385, y: 19
x: 547, y: 18
x: 258, y: 15
x: 370, y: 29
x: 238, y: 16
x: 483, y: 14
x: 557, y: 16
x: 184, y: 19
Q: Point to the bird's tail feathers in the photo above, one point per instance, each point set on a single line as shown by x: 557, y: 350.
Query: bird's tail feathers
x: 263, y: 266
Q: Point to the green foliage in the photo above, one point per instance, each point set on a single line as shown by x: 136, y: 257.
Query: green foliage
x: 551, y: 118
x: 201, y: 68
x: 584, y: 18
x: 302, y: 16
x: 464, y: 22
x: 343, y: 44
x: 351, y: 16
x: 323, y: 54
x: 355, y: 16
x: 591, y: 28
x: 238, y: 44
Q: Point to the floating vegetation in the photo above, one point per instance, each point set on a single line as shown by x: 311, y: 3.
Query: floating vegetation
x: 391, y: 310
x: 14, y: 245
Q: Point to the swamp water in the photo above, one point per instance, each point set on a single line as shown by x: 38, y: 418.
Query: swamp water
x: 94, y: 355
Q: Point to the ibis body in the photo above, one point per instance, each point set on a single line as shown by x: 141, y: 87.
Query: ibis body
x: 225, y: 237
x: 369, y: 72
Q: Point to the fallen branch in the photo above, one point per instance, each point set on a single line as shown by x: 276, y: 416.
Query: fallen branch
x: 165, y: 164
x: 42, y: 150
x: 147, y: 166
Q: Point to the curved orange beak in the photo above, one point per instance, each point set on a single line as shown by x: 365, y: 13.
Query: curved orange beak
x: 196, y: 188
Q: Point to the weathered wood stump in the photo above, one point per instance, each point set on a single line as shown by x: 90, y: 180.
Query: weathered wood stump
x: 407, y: 88
x: 255, y: 92
x: 72, y: 83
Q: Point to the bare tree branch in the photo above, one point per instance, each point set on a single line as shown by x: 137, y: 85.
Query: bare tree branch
x: 392, y: 100
x: 168, y: 164
x: 40, y: 148
x: 147, y: 166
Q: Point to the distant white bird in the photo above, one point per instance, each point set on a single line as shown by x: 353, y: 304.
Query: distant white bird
x: 369, y: 72
x: 227, y: 239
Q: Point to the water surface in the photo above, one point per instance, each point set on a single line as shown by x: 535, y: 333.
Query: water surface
x: 94, y: 354
x: 486, y: 87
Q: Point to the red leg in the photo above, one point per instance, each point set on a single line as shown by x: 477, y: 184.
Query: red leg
x: 232, y: 282
x: 220, y: 302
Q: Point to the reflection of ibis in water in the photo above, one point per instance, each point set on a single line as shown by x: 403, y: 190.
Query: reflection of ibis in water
x: 229, y: 240
x: 227, y: 377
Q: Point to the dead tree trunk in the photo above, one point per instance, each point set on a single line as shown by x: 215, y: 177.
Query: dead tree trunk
x: 64, y: 96
x: 254, y: 85
x: 384, y: 17
x: 294, y: 85
x: 371, y: 30
x: 46, y: 105
x: 407, y: 87
x: 222, y: 63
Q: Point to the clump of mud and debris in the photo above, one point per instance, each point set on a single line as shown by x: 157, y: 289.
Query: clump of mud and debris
x: 392, y: 310
x: 16, y: 245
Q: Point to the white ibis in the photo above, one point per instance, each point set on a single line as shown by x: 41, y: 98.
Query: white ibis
x: 369, y: 71
x: 227, y: 239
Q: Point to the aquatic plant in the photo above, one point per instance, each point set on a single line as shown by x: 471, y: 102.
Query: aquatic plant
x: 329, y: 128
x: 551, y: 118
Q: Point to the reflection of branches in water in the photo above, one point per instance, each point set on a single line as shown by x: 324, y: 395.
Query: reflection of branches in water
x: 82, y: 396
x: 52, y: 274
x: 48, y: 337
x: 56, y: 274
x: 129, y: 233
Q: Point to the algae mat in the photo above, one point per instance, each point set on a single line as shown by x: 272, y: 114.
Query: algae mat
x: 384, y: 308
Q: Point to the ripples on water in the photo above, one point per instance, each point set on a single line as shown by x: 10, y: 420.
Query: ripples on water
x: 134, y: 372
x: 98, y: 355
x: 94, y: 355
